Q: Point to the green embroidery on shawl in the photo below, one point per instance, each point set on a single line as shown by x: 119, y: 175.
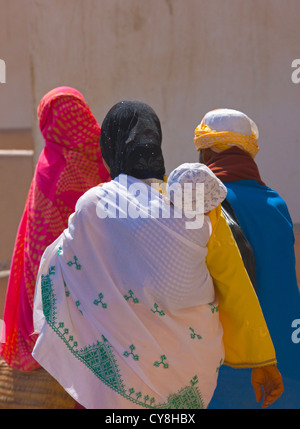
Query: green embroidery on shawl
x: 65, y: 331
x: 126, y: 353
x: 60, y: 251
x: 48, y: 296
x: 164, y: 364
x: 78, y: 266
x: 194, y: 335
x: 138, y: 395
x: 99, y: 301
x: 220, y: 364
x: 66, y: 289
x: 99, y: 358
x: 194, y: 380
x: 213, y: 308
x: 77, y: 305
x: 161, y: 312
x: 130, y: 296
x: 188, y: 397
x: 151, y: 400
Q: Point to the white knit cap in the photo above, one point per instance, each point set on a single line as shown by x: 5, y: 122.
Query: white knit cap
x: 214, y: 190
x: 231, y: 120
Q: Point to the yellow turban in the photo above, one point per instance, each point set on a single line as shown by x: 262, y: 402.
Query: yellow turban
x: 228, y: 123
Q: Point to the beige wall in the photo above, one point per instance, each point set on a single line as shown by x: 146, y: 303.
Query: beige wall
x: 16, y: 120
x: 183, y: 57
x: 15, y: 94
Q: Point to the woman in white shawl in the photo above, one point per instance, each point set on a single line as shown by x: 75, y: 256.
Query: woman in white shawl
x: 125, y: 307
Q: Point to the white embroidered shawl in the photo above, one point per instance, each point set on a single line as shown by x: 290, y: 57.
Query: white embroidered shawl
x: 125, y: 307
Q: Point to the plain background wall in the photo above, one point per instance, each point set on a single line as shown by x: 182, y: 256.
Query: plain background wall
x: 183, y: 57
x: 15, y: 94
x: 16, y: 120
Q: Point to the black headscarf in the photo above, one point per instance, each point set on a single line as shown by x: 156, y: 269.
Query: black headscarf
x: 131, y: 140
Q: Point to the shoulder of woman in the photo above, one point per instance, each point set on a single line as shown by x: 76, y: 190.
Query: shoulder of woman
x: 88, y: 198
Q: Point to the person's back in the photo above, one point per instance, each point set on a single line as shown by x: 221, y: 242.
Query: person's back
x: 69, y: 165
x: 155, y: 232
x: 227, y: 139
x: 131, y: 292
x: 265, y: 220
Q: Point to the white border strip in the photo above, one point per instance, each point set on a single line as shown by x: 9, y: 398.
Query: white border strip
x: 15, y: 152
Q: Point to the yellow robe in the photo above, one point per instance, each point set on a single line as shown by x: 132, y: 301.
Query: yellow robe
x: 246, y: 337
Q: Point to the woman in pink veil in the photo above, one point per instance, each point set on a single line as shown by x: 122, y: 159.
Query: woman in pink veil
x: 69, y: 165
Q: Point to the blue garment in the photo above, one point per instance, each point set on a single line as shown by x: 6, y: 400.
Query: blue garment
x: 266, y: 222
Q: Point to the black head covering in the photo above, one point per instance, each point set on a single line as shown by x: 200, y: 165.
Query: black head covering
x: 131, y: 141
